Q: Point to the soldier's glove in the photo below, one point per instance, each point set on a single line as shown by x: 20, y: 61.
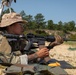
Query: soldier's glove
x: 58, y: 41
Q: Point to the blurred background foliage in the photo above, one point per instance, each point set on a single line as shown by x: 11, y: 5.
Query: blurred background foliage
x: 37, y: 25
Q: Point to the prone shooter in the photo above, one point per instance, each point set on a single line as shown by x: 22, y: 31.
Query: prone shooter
x: 12, y: 42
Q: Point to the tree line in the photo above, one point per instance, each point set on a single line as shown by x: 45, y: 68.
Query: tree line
x: 38, y: 22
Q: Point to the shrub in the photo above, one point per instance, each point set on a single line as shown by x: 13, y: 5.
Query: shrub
x: 72, y: 36
x: 41, y: 32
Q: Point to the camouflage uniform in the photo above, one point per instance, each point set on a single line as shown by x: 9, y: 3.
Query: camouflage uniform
x: 5, y: 48
x: 6, y: 55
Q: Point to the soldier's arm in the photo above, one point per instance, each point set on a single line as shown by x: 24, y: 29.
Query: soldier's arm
x: 39, y: 54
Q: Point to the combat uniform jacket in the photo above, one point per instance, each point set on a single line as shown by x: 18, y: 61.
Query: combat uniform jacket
x: 6, y: 54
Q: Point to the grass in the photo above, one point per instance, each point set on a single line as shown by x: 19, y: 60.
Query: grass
x: 72, y: 43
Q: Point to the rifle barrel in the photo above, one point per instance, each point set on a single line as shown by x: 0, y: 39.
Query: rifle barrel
x: 65, y: 39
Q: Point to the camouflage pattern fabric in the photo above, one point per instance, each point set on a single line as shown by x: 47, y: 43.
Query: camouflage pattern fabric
x: 2, y: 69
x: 5, y: 52
x: 10, y: 18
x: 5, y: 49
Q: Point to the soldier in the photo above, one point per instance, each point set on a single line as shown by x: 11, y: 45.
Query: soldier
x: 12, y: 23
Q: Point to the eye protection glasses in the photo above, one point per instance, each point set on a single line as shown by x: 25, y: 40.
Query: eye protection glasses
x: 21, y: 24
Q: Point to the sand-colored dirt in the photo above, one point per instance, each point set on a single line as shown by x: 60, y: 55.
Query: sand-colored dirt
x: 62, y: 52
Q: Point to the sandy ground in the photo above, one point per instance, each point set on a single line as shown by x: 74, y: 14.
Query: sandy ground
x: 62, y: 52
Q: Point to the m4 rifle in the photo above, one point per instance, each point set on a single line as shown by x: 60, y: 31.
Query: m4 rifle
x: 32, y: 39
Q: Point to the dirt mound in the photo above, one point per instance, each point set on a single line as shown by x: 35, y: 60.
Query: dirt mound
x: 62, y: 52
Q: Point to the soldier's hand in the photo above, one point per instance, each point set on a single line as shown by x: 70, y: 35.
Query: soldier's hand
x: 42, y: 53
x: 58, y: 39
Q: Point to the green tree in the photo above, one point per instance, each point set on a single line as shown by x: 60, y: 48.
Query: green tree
x: 7, y: 11
x: 60, y: 25
x: 31, y: 24
x: 55, y: 26
x: 71, y: 25
x: 50, y: 25
x: 39, y: 19
x: 29, y: 18
x: 23, y: 14
x: 65, y: 27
